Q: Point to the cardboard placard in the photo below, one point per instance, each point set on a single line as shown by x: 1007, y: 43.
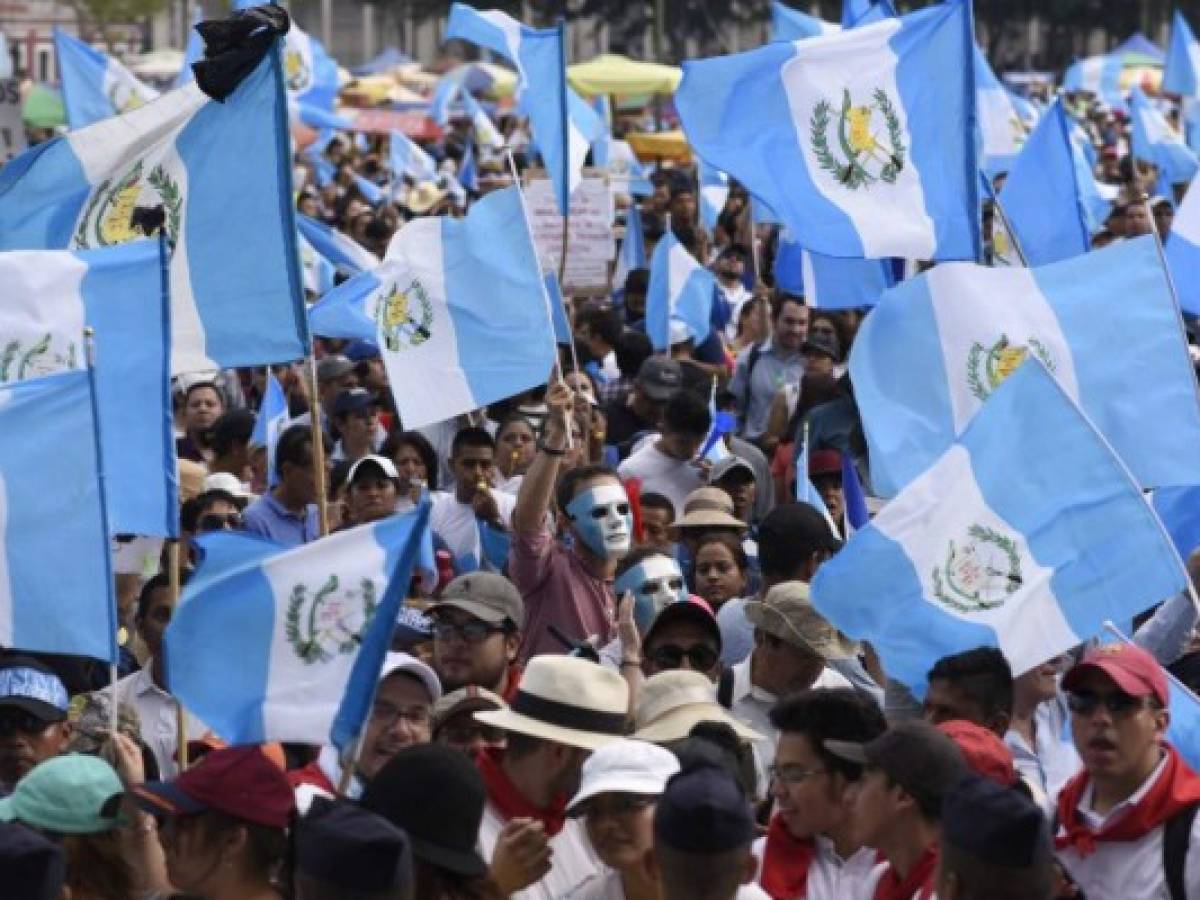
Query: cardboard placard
x: 591, y: 247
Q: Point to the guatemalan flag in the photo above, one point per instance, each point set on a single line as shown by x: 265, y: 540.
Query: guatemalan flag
x: 680, y: 288
x: 344, y: 252
x: 1027, y: 533
x: 831, y: 282
x: 486, y: 132
x: 119, y: 292
x: 457, y: 308
x: 309, y: 71
x: 218, y: 177
x: 1154, y: 140
x: 271, y: 644
x: 1000, y: 126
x: 1181, y: 72
x: 406, y: 157
x: 714, y: 192
x: 939, y: 345
x: 94, y: 85
x: 789, y: 24
x: 55, y: 572
x: 1179, y: 509
x: 863, y: 142
x: 1183, y: 250
x: 272, y: 420
x: 1099, y: 75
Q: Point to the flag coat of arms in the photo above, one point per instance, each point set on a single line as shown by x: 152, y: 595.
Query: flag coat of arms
x: 937, y: 347
x: 272, y: 644
x: 458, y: 309
x: 94, y: 85
x: 218, y: 178
x: 862, y: 142
x: 969, y: 555
x: 1000, y: 125
x: 50, y: 296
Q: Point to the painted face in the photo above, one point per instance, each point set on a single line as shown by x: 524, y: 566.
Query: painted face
x: 655, y: 582
x: 602, y: 519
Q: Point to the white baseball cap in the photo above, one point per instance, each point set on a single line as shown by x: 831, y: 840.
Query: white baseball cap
x: 410, y: 665
x: 626, y: 766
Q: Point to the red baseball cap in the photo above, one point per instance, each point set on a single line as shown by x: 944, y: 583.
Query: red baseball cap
x: 238, y: 781
x: 983, y: 752
x: 824, y: 462
x: 1133, y: 670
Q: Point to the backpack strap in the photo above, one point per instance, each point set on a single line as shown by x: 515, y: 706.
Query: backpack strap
x: 1177, y: 835
x: 751, y: 361
x: 725, y: 688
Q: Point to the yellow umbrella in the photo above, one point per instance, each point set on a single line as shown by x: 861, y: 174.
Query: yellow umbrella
x: 620, y: 75
x: 660, y: 145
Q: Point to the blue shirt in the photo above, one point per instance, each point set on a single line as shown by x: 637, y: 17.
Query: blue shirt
x: 269, y: 518
x: 773, y: 369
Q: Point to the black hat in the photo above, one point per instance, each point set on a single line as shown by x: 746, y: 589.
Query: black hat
x: 28, y: 685
x: 798, y: 526
x: 353, y: 401
x: 998, y: 824
x: 33, y: 867
x: 703, y: 810
x: 660, y: 378
x: 352, y: 849
x: 436, y: 795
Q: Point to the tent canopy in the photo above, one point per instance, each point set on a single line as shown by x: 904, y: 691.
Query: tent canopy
x: 1140, y: 45
x: 620, y: 75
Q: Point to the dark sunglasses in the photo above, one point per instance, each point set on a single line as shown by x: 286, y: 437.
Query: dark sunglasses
x: 217, y: 522
x: 670, y: 656
x: 1084, y: 703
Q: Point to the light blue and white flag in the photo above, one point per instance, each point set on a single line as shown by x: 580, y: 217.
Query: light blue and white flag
x: 219, y: 177
x: 55, y: 572
x: 458, y: 309
x: 271, y: 644
x: 1043, y: 198
x: 309, y: 72
x: 861, y: 144
x: 937, y: 346
x: 50, y: 296
x: 681, y: 289
x: 1179, y: 509
x: 406, y: 157
x: 1181, y: 72
x: 370, y: 191
x: 806, y: 491
x: 317, y: 272
x: 1001, y: 128
x: 632, y: 254
x: 1183, y: 250
x: 94, y: 85
x: 343, y: 251
x: 1099, y: 75
x: 486, y: 132
x: 626, y: 173
x: 1027, y: 533
x: 714, y: 191
x: 444, y: 94
x: 540, y: 58
x: 831, y: 282
x: 789, y: 24
x: 853, y: 10
x: 468, y: 171
x: 1155, y: 141
x: 272, y: 421
x: 875, y: 12
x: 558, y: 310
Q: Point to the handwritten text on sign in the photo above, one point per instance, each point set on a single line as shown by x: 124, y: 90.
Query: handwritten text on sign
x: 591, y: 246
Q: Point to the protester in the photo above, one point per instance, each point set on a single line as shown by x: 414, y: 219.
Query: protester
x: 736, y: 478
x: 33, y: 867
x: 599, y: 329
x: 33, y: 718
x: 825, y: 473
x: 456, y: 517
x: 416, y: 462
x: 344, y: 852
x: 230, y: 440
x: 455, y: 725
x: 764, y: 367
x: 658, y: 515
x: 668, y: 465
x: 287, y: 513
x: 515, y: 448
x: 976, y: 686
x: 658, y: 380
x: 476, y: 626
x: 672, y: 703
x: 1039, y: 735
x: 356, y: 418
x: 373, y: 487
x: 683, y: 636
x: 202, y: 405
x: 720, y: 570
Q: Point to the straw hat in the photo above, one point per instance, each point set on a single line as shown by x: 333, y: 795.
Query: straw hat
x: 788, y: 614
x: 566, y: 700
x: 670, y: 704
x: 708, y: 507
x: 424, y: 197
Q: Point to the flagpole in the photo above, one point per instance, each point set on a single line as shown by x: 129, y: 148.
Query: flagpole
x: 318, y: 443
x: 180, y: 716
x: 1012, y: 235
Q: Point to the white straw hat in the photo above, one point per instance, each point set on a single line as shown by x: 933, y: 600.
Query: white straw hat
x: 672, y: 703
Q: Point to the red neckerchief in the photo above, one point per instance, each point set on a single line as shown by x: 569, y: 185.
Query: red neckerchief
x: 1177, y: 787
x: 786, y: 860
x: 511, y: 804
x: 515, y: 671
x: 918, y: 883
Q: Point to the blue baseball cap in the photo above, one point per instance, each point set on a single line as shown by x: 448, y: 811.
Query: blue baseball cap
x: 360, y: 350
x: 31, y: 686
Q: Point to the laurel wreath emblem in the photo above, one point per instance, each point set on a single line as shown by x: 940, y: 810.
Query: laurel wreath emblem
x: 849, y: 170
x: 982, y: 374
x: 952, y: 595
x: 301, y: 629
x: 159, y: 179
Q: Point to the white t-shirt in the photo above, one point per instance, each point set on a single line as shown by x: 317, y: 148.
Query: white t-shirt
x: 572, y: 861
x: 829, y: 876
x: 662, y: 474
x: 455, y: 523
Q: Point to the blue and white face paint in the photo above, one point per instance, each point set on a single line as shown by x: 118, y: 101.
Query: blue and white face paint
x: 655, y: 583
x: 602, y: 519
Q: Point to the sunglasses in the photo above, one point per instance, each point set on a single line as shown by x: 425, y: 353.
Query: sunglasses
x: 217, y: 522
x: 1084, y: 703
x: 671, y: 656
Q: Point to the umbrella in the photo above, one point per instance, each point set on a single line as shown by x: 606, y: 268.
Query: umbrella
x: 43, y: 107
x: 660, y: 145
x: 620, y: 75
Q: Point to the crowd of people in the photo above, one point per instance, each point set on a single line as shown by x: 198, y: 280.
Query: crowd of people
x: 619, y: 686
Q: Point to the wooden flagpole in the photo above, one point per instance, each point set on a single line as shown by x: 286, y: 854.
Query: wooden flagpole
x: 318, y: 444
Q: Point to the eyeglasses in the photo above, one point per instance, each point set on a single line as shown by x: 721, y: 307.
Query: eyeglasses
x: 1084, y: 703
x: 20, y: 722
x: 700, y: 657
x: 619, y: 806
x: 472, y: 632
x: 467, y: 733
x: 217, y: 522
x: 672, y: 583
x: 417, y: 716
x: 791, y: 774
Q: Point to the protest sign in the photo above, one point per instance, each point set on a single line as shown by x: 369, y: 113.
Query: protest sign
x: 12, y: 128
x: 590, y: 246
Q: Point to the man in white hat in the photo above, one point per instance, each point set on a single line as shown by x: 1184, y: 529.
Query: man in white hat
x: 564, y: 708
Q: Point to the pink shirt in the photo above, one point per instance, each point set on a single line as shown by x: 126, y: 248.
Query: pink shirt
x: 559, y: 591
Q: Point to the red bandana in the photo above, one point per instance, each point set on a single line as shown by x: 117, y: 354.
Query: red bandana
x: 918, y: 883
x: 511, y: 804
x: 1177, y: 787
x: 786, y: 860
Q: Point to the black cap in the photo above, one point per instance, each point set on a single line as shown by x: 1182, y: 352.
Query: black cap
x: 33, y: 687
x: 333, y: 366
x: 998, y: 824
x: 704, y: 810
x: 353, y: 849
x: 33, y: 867
x: 352, y: 401
x: 800, y: 527
x: 436, y: 795
x: 660, y: 378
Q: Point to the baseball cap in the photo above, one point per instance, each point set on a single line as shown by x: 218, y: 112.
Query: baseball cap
x: 824, y: 462
x: 798, y: 526
x: 999, y: 825
x: 352, y: 848
x: 659, y: 378
x: 333, y: 366
x: 228, y: 482
x: 385, y: 465
x: 730, y: 465
x: 484, y: 595
x: 238, y: 781
x: 68, y: 794
x: 357, y: 351
x: 353, y: 401
x: 693, y: 609
x: 983, y: 752
x: 28, y: 685
x: 469, y: 699
x: 625, y: 766
x: 1130, y: 667
x: 410, y: 665
x: 678, y: 332
x: 703, y: 810
x: 916, y: 756
x: 33, y: 867
x: 788, y: 614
